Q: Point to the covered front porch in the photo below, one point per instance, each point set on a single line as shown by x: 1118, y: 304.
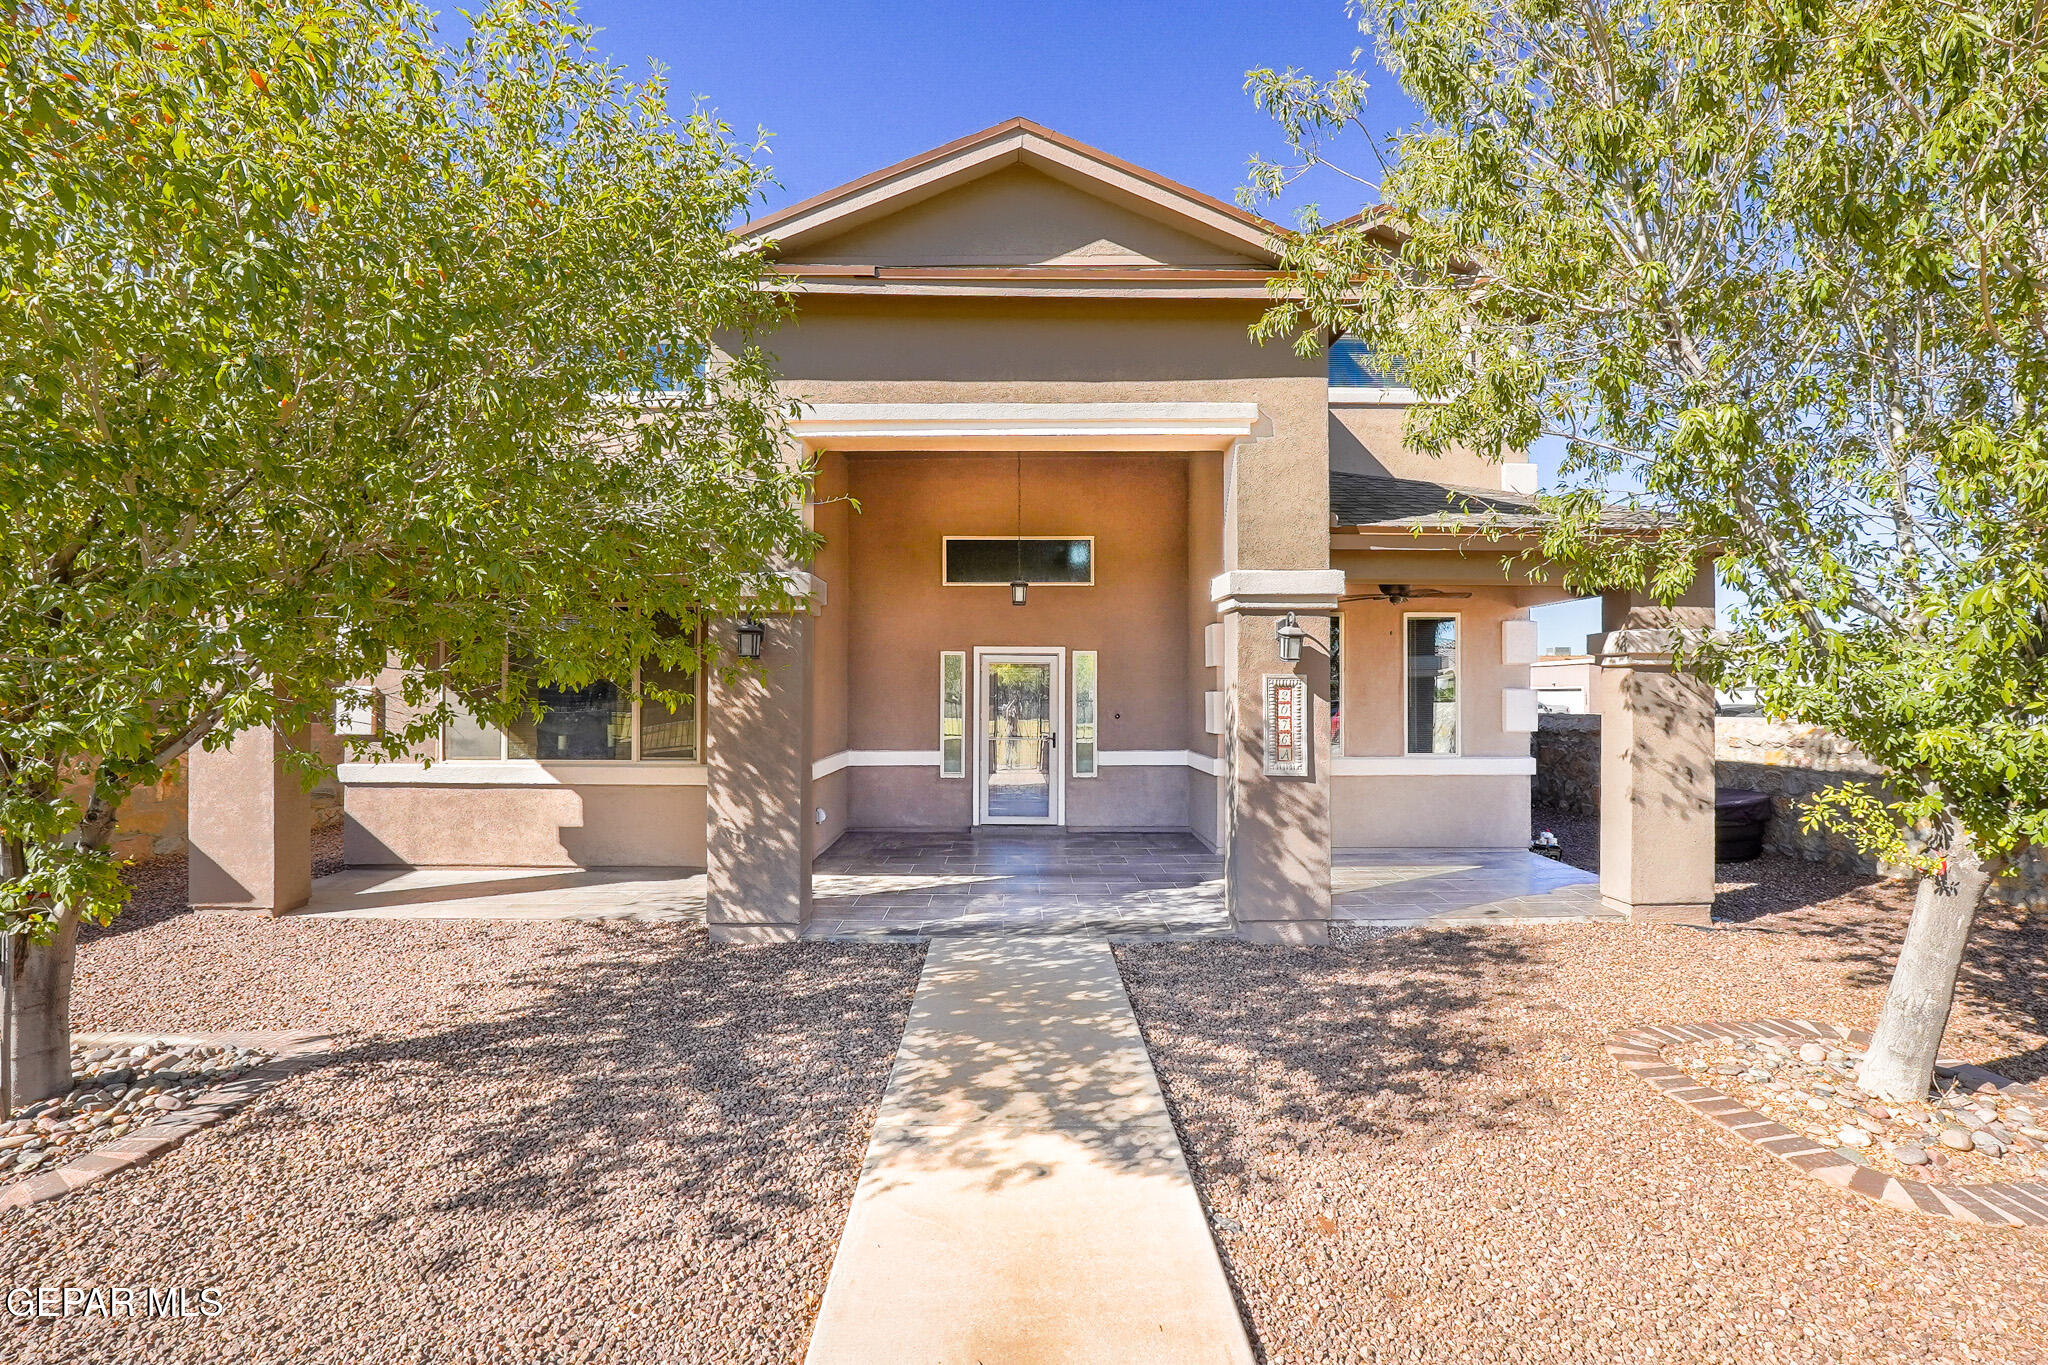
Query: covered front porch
x: 906, y: 885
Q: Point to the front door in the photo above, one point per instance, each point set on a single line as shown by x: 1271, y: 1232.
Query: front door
x: 1017, y: 764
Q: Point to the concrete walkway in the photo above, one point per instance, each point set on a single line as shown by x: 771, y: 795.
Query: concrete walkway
x: 1024, y: 1197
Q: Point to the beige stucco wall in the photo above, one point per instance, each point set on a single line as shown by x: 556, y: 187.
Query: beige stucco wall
x: 1372, y: 674
x: 1366, y: 439
x: 830, y: 794
x: 1429, y: 810
x: 846, y: 349
x: 497, y: 826
x: 1448, y: 811
x: 1205, y: 520
x: 901, y: 615
x: 1016, y: 216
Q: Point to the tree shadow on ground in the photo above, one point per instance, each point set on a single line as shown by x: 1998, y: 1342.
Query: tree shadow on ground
x: 1379, y: 1043
x: 1375, y: 1044
x: 1858, y: 921
x: 645, y: 1067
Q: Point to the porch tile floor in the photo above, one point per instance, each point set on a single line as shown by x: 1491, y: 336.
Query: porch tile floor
x: 1418, y: 886
x: 908, y: 884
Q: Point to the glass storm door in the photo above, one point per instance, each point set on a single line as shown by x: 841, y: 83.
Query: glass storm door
x: 1019, y: 769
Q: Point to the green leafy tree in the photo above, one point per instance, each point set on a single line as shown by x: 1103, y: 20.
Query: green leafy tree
x: 329, y: 343
x: 1782, y: 272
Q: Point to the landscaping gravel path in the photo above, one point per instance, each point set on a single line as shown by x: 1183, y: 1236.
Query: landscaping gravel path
x: 534, y: 1142
x: 1414, y: 1148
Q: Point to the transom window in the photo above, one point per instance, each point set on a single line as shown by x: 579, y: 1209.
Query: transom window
x: 1432, y: 683
x: 1054, y: 561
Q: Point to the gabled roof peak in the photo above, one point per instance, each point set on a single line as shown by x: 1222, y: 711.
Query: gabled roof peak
x: 1015, y: 141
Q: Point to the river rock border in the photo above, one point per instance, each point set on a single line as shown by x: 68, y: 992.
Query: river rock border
x: 1998, y: 1203
x: 290, y: 1053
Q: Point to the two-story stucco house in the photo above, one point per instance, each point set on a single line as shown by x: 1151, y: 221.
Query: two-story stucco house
x: 1092, y: 559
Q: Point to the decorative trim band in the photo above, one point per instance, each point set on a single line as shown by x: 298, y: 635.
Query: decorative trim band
x: 521, y: 772
x: 1025, y: 426
x: 1425, y: 765
x: 1277, y: 589
x: 1160, y: 758
x: 1370, y: 395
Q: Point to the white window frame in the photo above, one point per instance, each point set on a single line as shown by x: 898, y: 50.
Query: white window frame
x: 1457, y: 672
x: 966, y: 719
x: 504, y: 741
x: 946, y: 582
x: 1094, y: 658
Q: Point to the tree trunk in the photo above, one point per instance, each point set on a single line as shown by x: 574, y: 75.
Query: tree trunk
x: 39, y: 1006
x: 1900, y: 1063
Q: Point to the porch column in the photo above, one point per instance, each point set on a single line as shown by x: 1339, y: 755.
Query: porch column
x: 758, y: 793
x: 1656, y: 762
x: 1276, y: 834
x: 249, y: 824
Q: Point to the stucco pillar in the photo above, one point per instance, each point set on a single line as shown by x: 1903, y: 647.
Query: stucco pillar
x: 758, y: 796
x: 1656, y: 762
x: 1276, y: 827
x: 249, y: 823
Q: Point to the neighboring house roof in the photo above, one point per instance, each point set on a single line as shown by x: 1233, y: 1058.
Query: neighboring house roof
x: 1172, y: 237
x: 1380, y: 500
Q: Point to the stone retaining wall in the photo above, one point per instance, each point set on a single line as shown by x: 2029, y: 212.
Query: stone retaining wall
x: 1788, y: 762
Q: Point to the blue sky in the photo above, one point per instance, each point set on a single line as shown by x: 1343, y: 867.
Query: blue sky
x: 846, y: 88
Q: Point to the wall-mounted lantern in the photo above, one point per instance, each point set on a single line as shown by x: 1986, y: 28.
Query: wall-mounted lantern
x: 751, y: 633
x: 1291, y: 635
x: 1017, y: 590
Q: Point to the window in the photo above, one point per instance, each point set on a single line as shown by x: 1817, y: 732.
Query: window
x: 668, y: 731
x: 1432, y: 684
x: 1084, y: 713
x: 1354, y: 366
x: 1337, y: 684
x: 592, y: 721
x: 1560, y: 701
x: 1056, y: 561
x: 952, y: 714
x: 599, y: 721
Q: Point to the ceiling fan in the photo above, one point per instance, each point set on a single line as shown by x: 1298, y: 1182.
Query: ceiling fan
x: 1401, y: 592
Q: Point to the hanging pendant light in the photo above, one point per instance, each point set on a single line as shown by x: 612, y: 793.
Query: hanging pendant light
x: 1018, y: 587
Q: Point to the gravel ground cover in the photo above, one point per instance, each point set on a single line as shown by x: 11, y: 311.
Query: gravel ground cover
x: 1414, y: 1147
x: 533, y: 1142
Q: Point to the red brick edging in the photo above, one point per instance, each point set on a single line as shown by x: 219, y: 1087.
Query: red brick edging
x: 291, y: 1053
x: 2000, y: 1203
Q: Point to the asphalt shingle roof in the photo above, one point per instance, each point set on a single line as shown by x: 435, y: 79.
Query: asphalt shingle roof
x: 1379, y: 500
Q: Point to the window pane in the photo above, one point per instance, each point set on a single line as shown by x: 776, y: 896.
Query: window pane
x: 1003, y: 561
x: 595, y: 721
x: 1354, y: 366
x: 1336, y: 684
x: 952, y: 715
x: 1432, y: 685
x: 1084, y: 713
x: 467, y: 737
x: 667, y: 732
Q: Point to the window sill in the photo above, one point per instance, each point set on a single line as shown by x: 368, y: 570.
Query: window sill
x: 1432, y: 765
x: 519, y: 772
